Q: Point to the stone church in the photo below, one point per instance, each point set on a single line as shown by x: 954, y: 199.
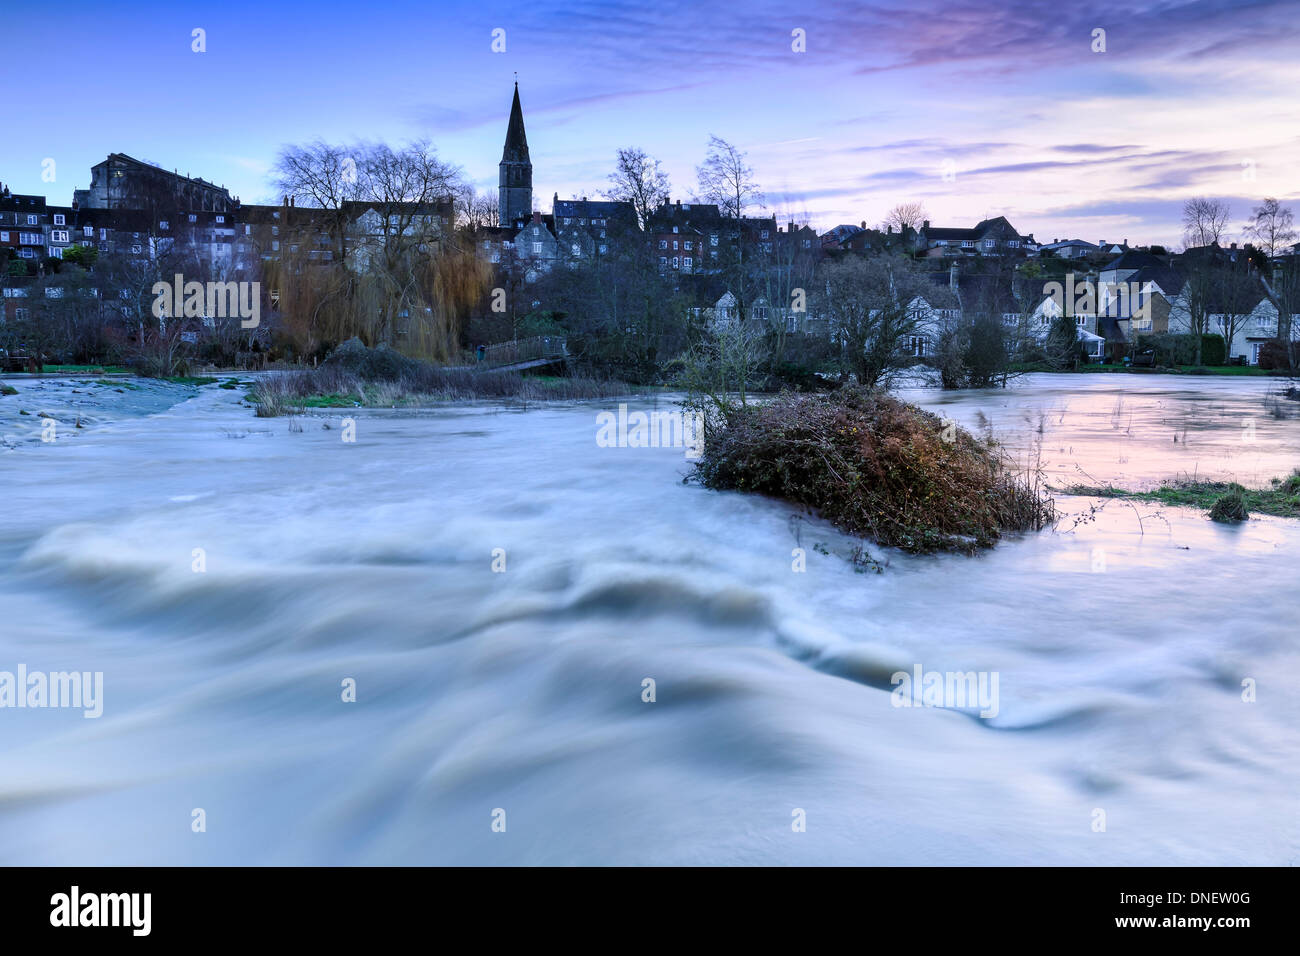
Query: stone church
x: 515, y: 198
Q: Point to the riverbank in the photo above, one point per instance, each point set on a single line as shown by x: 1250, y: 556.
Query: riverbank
x: 47, y: 409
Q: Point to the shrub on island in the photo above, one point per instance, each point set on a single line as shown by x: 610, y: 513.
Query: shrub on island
x: 876, y: 467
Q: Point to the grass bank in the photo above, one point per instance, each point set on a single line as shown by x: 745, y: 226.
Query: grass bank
x: 1220, y: 498
x: 358, y: 377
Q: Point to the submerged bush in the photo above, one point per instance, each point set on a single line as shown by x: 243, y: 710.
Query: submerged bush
x: 1230, y: 506
x: 876, y: 467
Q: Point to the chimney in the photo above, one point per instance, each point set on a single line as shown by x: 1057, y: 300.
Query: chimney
x: 537, y: 217
x: 679, y: 204
x: 1101, y: 242
x: 889, y: 230
x: 925, y: 225
x: 952, y: 277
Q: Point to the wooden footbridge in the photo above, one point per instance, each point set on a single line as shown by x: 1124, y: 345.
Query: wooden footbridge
x: 517, y: 354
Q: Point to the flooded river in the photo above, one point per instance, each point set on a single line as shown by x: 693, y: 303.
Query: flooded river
x: 502, y: 597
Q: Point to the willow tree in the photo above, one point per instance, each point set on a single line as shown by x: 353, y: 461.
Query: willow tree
x: 397, y: 274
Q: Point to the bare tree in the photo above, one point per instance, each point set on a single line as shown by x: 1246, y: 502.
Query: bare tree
x: 478, y: 210
x: 908, y: 215
x: 1237, y: 292
x: 638, y: 179
x: 870, y: 307
x: 322, y: 175
x: 1272, y: 226
x: 1205, y: 221
x: 726, y: 180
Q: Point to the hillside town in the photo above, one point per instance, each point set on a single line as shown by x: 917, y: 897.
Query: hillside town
x: 392, y: 247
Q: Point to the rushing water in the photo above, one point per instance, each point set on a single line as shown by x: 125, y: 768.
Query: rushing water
x: 1120, y: 643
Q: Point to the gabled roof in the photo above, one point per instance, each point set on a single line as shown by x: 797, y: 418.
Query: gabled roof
x: 1169, y: 281
x: 1134, y: 259
x: 681, y: 213
x: 593, y: 209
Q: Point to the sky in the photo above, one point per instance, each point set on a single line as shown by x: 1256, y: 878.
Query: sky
x: 973, y: 108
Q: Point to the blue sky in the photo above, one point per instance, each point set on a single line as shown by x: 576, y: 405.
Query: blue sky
x: 1190, y: 97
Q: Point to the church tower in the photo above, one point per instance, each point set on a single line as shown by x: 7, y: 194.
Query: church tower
x: 515, y: 198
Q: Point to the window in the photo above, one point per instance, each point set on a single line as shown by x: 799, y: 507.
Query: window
x: 674, y: 245
x: 32, y: 220
x: 713, y: 240
x: 663, y: 243
x: 916, y: 345
x: 674, y: 228
x: 535, y: 230
x: 88, y: 232
x: 663, y: 261
x: 4, y: 237
x: 248, y: 230
x: 20, y: 315
x: 603, y: 248
x: 30, y: 239
x: 687, y: 262
x: 221, y: 218
x: 576, y: 250
x: 807, y: 243
x: 26, y: 254
x: 275, y: 245
x: 164, y: 225
x: 58, y: 235
x: 59, y: 220
x: 567, y: 220
x: 674, y: 262
x: 135, y: 249
x: 193, y: 218
x: 688, y: 245
x: 968, y: 244
x: 1013, y: 243
x: 988, y: 243
x: 103, y: 233
x: 537, y: 247
x: 764, y: 234
x: 275, y: 230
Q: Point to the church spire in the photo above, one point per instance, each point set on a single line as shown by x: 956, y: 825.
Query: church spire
x: 516, y: 150
x: 515, y: 193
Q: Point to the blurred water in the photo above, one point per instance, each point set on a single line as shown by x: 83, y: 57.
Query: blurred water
x: 1121, y: 646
